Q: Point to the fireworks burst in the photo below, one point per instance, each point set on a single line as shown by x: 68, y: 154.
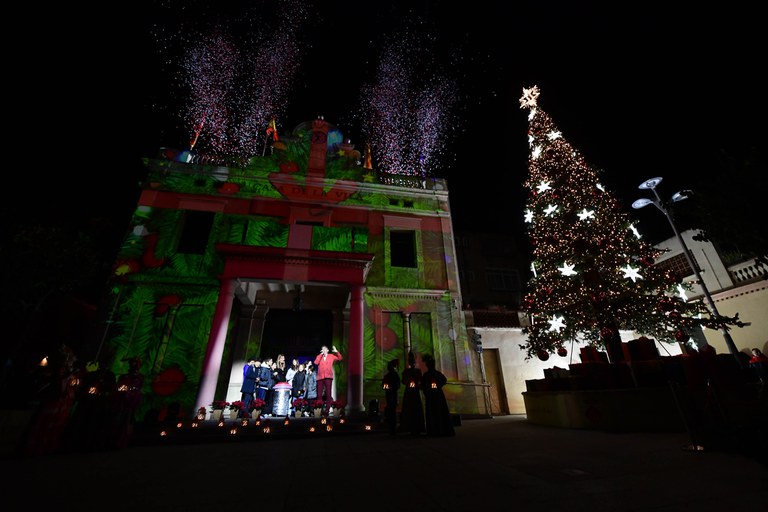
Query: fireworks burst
x: 237, y: 76
x: 406, y: 112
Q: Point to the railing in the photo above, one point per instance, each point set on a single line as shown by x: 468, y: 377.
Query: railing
x: 748, y: 271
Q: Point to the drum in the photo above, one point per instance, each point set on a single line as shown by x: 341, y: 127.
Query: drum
x: 281, y: 403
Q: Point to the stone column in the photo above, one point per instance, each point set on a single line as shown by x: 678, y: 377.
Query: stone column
x: 216, y: 342
x: 355, y: 353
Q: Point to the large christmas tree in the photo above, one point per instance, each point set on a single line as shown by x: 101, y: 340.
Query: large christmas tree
x: 593, y: 273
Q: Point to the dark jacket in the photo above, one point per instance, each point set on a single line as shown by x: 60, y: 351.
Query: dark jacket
x: 249, y: 380
x: 298, y: 387
x: 265, y: 377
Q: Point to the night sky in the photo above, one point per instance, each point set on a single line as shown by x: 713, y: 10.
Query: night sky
x: 640, y: 90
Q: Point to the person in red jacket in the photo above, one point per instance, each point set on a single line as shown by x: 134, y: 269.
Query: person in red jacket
x: 324, y: 363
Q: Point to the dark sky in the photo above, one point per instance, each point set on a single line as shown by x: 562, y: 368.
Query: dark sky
x: 641, y: 89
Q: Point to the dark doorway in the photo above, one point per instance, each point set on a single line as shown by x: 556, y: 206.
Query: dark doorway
x: 297, y: 334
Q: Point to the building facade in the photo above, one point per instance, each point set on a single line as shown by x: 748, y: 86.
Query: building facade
x: 300, y: 248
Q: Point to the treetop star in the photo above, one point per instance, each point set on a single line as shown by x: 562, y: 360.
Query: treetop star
x: 529, y: 97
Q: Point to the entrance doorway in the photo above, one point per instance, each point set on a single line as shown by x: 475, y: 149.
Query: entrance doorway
x: 296, y: 334
x: 498, y: 393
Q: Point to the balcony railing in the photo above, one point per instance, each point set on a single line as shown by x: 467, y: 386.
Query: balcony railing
x: 748, y: 271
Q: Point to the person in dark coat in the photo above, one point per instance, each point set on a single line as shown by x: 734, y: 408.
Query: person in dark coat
x: 436, y: 413
x: 412, y: 414
x: 391, y: 385
x: 299, y: 386
x: 126, y: 401
x: 250, y: 383
x: 266, y: 383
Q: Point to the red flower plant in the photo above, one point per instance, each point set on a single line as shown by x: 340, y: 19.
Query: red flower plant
x: 219, y: 404
x: 257, y: 403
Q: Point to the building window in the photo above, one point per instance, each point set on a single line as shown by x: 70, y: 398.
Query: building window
x: 502, y: 280
x: 197, y: 229
x: 678, y: 264
x: 402, y: 246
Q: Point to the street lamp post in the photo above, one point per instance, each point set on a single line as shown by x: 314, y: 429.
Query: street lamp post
x: 679, y: 196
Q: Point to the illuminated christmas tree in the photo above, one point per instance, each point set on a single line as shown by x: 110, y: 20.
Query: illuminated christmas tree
x: 593, y: 274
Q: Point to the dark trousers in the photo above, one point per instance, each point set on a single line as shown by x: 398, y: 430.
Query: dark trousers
x: 247, y: 399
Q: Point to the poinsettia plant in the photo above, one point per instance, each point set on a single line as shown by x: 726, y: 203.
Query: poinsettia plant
x: 219, y: 404
x: 337, y: 404
x: 257, y: 403
x: 236, y: 405
x: 298, y: 403
x: 317, y: 403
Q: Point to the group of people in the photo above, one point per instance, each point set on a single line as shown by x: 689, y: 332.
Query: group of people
x: 430, y: 416
x: 82, y: 408
x: 311, y: 380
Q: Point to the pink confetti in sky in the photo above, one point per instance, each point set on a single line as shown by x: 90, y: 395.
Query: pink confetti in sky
x: 407, y: 111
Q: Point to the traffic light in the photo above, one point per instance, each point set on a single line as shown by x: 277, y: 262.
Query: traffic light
x: 477, y: 341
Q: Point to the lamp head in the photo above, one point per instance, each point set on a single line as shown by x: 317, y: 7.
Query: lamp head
x: 679, y: 196
x: 650, y: 184
x: 642, y: 202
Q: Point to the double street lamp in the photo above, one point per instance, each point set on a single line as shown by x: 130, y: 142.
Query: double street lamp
x: 679, y: 196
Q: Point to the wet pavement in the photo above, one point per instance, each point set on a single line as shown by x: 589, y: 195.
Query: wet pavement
x: 503, y: 463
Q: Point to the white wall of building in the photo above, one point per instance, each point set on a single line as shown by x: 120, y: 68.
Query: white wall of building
x: 713, y: 272
x: 515, y: 370
x: 751, y: 303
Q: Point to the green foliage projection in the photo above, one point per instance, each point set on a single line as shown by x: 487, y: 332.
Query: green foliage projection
x: 266, y: 233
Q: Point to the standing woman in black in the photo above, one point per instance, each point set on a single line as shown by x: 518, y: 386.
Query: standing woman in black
x: 412, y: 415
x: 436, y: 412
x: 391, y: 385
